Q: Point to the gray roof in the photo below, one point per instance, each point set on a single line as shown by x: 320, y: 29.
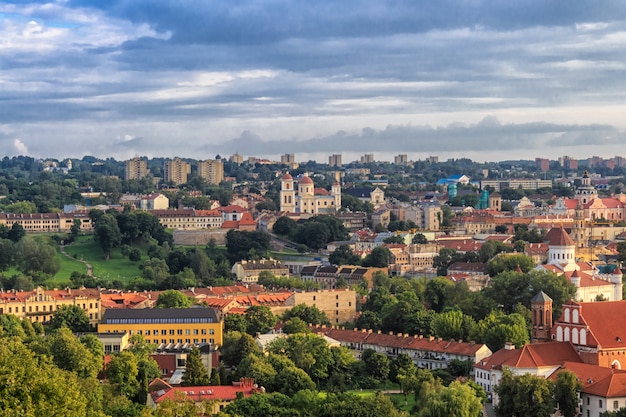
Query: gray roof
x: 160, y: 313
x: 540, y: 297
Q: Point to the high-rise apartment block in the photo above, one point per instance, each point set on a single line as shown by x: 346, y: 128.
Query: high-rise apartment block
x: 176, y: 171
x: 542, y: 164
x: 236, y: 158
x: 212, y: 170
x: 136, y: 169
x: 368, y: 158
x: 568, y: 162
x: 334, y: 160
x: 401, y: 159
x: 287, y: 158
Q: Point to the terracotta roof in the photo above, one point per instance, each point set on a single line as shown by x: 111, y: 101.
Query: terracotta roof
x: 305, y: 179
x: 609, y: 387
x: 532, y: 356
x: 558, y: 237
x: 201, y: 393
x: 609, y: 334
x: 287, y: 176
x: 402, y: 341
x: 587, y: 374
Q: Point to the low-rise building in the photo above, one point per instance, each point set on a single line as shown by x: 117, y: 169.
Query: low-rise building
x: 249, y: 271
x: 426, y: 352
x: 166, y: 325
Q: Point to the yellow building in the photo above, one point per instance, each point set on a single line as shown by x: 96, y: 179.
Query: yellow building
x: 39, y: 305
x: 166, y: 325
x: 176, y: 171
x: 212, y: 170
x: 136, y: 169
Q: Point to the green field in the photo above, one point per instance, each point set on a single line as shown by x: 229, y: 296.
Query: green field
x: 85, y: 248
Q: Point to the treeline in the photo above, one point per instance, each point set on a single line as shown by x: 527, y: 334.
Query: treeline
x: 33, y: 256
x: 314, y: 232
x: 438, y: 307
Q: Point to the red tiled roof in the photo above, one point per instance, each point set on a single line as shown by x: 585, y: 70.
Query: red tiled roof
x: 532, y: 356
x: 558, y: 237
x: 606, y: 321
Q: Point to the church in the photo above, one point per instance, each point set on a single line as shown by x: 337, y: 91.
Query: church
x: 306, y: 198
x: 592, y: 283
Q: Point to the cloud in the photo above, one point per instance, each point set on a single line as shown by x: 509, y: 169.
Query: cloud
x: 19, y: 147
x: 187, y: 76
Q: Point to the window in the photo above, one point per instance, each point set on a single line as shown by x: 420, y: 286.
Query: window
x: 211, y: 331
x: 615, y: 405
x: 171, y: 332
x: 600, y: 404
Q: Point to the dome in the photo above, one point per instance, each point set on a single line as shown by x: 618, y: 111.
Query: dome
x: 287, y: 176
x: 218, y: 156
x: 306, y: 180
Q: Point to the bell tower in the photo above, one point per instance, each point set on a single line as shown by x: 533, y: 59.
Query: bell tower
x: 541, y: 310
x: 287, y: 194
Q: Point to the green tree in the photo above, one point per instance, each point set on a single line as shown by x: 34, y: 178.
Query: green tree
x: 32, y: 256
x: 510, y: 263
x: 308, y: 314
x: 456, y: 400
x: 260, y: 319
x: 70, y: 316
x: 7, y: 253
x: 295, y: 325
x: 376, y: 364
x: 453, y: 325
x: 122, y: 371
x: 173, y: 299
x: 344, y: 255
x: 236, y: 347
x: 285, y: 226
x: 70, y: 354
x: 195, y: 372
x: 107, y: 234
x: 524, y: 395
x: 37, y: 387
x: 76, y: 227
x: 291, y: 380
x: 236, y: 322
x: 379, y: 257
x: 419, y: 239
x: 566, y: 392
x: 16, y: 233
x: 436, y: 293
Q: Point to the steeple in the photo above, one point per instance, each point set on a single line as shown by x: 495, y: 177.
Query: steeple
x: 541, y: 309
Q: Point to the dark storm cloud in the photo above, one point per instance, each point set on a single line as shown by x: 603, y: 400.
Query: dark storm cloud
x: 149, y: 71
x: 487, y: 135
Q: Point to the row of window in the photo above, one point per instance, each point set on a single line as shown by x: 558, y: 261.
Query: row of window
x: 163, y: 320
x: 51, y: 308
x: 172, y: 332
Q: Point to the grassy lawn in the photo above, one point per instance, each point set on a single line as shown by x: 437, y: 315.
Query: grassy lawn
x: 67, y: 267
x: 117, y: 267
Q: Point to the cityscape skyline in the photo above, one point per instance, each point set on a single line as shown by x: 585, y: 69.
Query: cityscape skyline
x: 453, y: 79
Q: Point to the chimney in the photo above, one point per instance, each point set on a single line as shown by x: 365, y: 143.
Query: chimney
x: 509, y: 346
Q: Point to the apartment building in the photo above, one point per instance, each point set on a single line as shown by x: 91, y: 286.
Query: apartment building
x: 334, y: 160
x: 47, y: 222
x: 39, y: 305
x: 136, y: 169
x: 211, y: 170
x: 176, y: 171
x: 166, y: 325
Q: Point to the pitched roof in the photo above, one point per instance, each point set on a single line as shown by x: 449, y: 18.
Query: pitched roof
x: 532, y: 356
x: 541, y: 297
x: 557, y: 236
x: 606, y: 321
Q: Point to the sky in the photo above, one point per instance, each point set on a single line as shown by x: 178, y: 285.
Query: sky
x: 488, y: 80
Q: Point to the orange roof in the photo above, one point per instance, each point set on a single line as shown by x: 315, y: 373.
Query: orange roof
x: 532, y: 356
x: 246, y: 219
x: 608, y: 334
x: 558, y: 237
x: 203, y: 393
x: 610, y: 387
x: 587, y: 374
